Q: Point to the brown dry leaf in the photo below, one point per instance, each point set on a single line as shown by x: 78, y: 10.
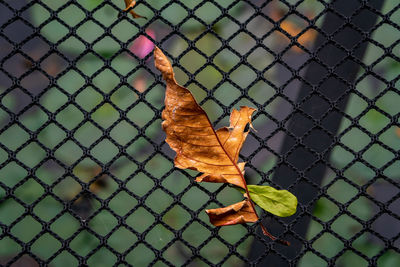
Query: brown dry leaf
x: 129, y: 6
x: 191, y: 135
x: 199, y: 147
x: 241, y: 212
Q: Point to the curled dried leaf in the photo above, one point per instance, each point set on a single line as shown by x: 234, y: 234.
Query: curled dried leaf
x: 241, y: 212
x: 199, y: 147
x: 129, y: 8
x: 225, y: 178
x: 191, y: 135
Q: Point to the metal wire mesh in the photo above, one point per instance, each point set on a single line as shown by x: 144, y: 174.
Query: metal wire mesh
x: 87, y: 179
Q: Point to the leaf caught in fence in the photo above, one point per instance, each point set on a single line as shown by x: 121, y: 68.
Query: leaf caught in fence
x: 237, y: 213
x: 278, y: 202
x: 199, y: 147
x: 129, y: 8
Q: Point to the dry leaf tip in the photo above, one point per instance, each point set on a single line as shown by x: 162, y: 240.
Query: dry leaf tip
x: 162, y: 64
x: 129, y: 8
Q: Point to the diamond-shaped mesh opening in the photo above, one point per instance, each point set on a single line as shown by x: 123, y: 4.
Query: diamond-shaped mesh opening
x: 311, y: 258
x: 33, y: 118
x: 141, y: 255
x: 53, y: 99
x: 346, y: 226
x: 26, y: 229
x: 142, y: 120
x: 86, y: 177
x: 363, y: 208
x: 176, y: 217
x: 348, y: 191
x: 335, y: 245
x: 90, y: 64
x: 208, y: 44
x: 64, y: 258
x: 48, y: 208
x: 201, y: 198
x: 67, y: 188
x: 350, y: 256
x: 69, y: 152
x: 361, y: 244
x: 204, y: 77
x: 227, y: 93
x: 10, y: 100
x: 159, y: 201
x: 104, y: 145
x: 177, y: 253
x: 26, y: 30
x: 54, y: 31
x: 9, y: 246
x: 12, y: 211
x: 103, y: 222
x: 383, y: 225
x: 215, y: 251
x: 122, y: 203
x: 45, y: 246
x: 69, y: 117
x: 51, y: 135
x: 111, y: 115
x: 140, y: 220
x: 140, y: 185
x: 84, y: 243
x: 174, y: 13
x: 58, y: 226
x: 31, y: 154
x: 159, y: 237
x: 16, y: 133
x: 104, y: 256
x: 121, y: 239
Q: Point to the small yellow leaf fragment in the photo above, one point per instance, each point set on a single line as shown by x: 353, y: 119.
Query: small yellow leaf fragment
x: 129, y: 8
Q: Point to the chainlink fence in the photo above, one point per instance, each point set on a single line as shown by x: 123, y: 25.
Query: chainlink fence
x: 86, y: 178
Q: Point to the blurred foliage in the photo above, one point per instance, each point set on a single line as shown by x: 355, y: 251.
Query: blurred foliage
x: 85, y: 84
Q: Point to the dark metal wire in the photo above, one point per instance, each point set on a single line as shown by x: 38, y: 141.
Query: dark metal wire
x: 265, y: 248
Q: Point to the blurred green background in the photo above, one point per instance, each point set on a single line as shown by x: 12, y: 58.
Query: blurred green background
x: 106, y: 157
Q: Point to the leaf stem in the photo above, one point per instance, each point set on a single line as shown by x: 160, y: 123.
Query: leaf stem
x: 265, y: 231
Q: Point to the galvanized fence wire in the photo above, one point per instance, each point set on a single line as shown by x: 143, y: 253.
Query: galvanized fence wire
x: 86, y: 204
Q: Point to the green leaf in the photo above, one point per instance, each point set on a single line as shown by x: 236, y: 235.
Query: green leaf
x: 278, y: 202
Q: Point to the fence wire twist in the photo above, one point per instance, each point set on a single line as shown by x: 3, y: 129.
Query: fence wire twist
x: 87, y: 179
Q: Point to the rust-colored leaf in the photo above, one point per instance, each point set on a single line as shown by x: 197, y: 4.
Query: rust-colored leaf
x: 241, y: 212
x: 199, y: 147
x: 129, y: 8
x: 191, y: 135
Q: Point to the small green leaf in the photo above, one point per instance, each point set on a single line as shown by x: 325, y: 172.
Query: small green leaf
x: 278, y: 202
